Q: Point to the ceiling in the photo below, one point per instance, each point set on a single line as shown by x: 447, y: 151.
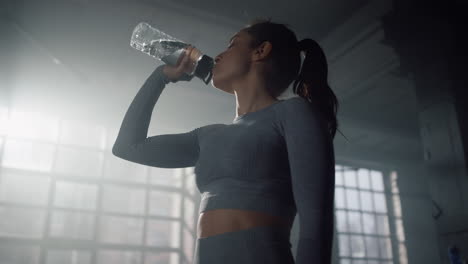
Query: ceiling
x: 76, y: 54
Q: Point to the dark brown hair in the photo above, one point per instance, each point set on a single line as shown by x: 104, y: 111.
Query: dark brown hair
x: 312, y: 81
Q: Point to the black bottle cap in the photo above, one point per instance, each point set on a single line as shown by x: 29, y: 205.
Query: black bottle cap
x: 204, y: 69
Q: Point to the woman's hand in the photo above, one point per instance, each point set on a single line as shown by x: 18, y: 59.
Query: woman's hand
x: 184, y: 66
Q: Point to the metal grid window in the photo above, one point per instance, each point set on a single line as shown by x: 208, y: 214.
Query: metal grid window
x: 364, y: 232
x: 64, y: 198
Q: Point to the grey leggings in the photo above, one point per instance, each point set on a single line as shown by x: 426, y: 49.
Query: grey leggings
x: 262, y: 244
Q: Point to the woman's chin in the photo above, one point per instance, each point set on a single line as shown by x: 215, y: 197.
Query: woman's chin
x: 215, y: 82
x: 218, y: 83
x: 220, y: 87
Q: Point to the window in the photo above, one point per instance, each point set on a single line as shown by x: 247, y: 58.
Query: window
x: 362, y: 217
x: 61, y: 188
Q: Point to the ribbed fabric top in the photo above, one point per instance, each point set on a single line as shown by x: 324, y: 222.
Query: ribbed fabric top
x: 278, y: 160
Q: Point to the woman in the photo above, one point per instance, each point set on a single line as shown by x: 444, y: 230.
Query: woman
x: 276, y: 159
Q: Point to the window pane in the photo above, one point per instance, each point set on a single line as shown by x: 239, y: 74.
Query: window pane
x: 68, y: 257
x: 190, y: 184
x: 339, y: 198
x: 366, y: 201
x: 162, y: 258
x: 19, y: 222
x: 189, y: 243
x: 403, y: 253
x: 118, y: 257
x: 341, y: 221
x: 27, y: 189
x: 117, y: 169
x: 377, y: 180
x: 359, y: 261
x: 350, y: 178
x: 19, y: 254
x: 111, y: 136
x: 385, y: 247
x: 82, y: 134
x: 352, y: 199
x: 28, y: 155
x: 72, y: 225
x: 344, y: 246
x: 363, y: 179
x: 189, y: 213
x: 121, y: 230
x: 382, y: 225
x: 400, y: 232
x: 163, y: 233
x: 164, y: 203
x: 339, y: 178
x: 355, y: 224
x: 372, y: 247
x: 396, y: 205
x: 166, y: 176
x: 79, y: 162
x: 357, y: 246
x: 369, y: 223
x: 380, y: 203
x: 120, y: 199
x: 75, y: 195
x: 345, y: 261
x: 4, y: 122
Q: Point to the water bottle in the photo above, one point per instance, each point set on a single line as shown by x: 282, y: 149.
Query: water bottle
x: 168, y: 49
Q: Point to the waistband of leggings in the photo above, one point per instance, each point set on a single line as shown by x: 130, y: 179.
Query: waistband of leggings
x: 254, y: 234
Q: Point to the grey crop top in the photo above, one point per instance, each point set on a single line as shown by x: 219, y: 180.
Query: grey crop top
x: 278, y: 160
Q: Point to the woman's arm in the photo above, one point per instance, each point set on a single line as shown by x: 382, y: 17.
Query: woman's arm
x: 312, y: 164
x: 164, y: 151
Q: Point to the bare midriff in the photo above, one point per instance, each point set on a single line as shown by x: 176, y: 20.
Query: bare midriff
x: 215, y: 222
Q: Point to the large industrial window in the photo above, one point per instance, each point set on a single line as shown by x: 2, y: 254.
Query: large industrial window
x: 64, y: 198
x: 364, y: 222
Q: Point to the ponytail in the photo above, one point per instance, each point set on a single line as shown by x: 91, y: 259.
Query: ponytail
x: 312, y: 82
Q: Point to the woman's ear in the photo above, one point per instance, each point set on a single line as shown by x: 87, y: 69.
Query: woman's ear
x: 263, y: 51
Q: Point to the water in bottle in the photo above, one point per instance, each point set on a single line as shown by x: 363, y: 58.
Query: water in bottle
x: 168, y: 49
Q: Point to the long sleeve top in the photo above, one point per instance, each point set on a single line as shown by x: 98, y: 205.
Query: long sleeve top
x: 278, y: 160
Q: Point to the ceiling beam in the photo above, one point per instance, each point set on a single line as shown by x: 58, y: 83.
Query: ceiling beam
x: 358, y: 27
x: 378, y: 130
x: 371, y: 157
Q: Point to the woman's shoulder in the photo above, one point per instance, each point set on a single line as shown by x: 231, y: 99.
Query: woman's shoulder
x: 211, y: 127
x: 296, y: 106
x: 298, y: 111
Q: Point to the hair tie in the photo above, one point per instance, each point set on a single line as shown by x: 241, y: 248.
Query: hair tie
x: 300, y: 47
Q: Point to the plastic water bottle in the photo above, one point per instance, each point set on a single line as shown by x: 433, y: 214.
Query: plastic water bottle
x: 168, y: 49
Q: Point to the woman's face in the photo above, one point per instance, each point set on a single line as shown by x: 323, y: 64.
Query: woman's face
x: 232, y: 64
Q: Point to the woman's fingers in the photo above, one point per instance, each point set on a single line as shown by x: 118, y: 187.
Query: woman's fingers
x: 186, y: 59
x: 184, y: 66
x: 181, y: 59
x: 186, y: 63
